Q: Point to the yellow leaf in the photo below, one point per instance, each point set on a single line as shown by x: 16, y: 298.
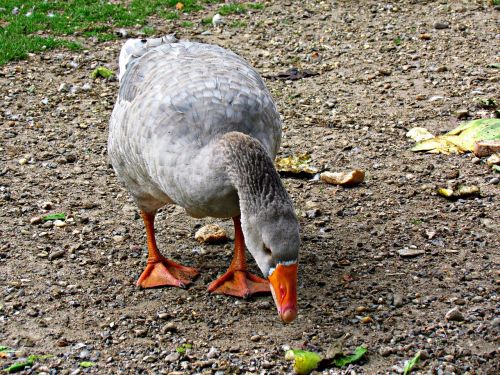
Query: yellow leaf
x: 296, y: 164
x: 462, y: 138
x: 419, y: 134
x: 461, y: 191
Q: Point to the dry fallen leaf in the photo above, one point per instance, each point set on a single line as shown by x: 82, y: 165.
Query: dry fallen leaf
x: 460, y: 191
x: 419, y: 134
x: 296, y: 164
x: 352, y: 178
x: 461, y: 139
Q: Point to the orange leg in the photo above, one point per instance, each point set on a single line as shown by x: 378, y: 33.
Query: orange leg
x: 237, y: 281
x: 161, y: 271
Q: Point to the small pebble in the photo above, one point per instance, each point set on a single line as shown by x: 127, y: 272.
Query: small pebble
x: 59, y: 223
x: 47, y: 205
x: 141, y: 332
x: 63, y: 87
x: 84, y: 354
x: 118, y: 239
x: 172, y: 357
x: 163, y: 315
x: 169, y: 327
x: 213, y: 353
x: 397, y: 300
x: 436, y: 98
x: 386, y: 351
x: 462, y: 113
x: 311, y: 214
x: 56, y: 254
x: 366, y: 319
x: 454, y: 315
x: 149, y: 359
x: 36, y: 220
x: 424, y: 354
x: 361, y: 309
x: 441, y: 25
x: 494, y: 181
x: 410, y: 253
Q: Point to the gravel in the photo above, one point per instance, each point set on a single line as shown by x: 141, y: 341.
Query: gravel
x: 70, y: 289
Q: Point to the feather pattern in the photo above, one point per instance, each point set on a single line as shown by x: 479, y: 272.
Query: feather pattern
x: 175, y: 104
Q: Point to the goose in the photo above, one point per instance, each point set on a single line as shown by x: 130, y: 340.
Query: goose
x: 194, y: 125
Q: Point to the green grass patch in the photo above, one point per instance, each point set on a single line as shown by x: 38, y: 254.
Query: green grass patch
x: 238, y: 24
x: 36, y: 25
x: 228, y: 9
x: 206, y: 21
x: 148, y: 30
x: 187, y: 24
x: 256, y: 6
x: 171, y: 15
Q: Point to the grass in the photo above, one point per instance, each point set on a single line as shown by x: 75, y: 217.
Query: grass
x: 228, y: 9
x: 206, y: 21
x: 238, y: 24
x: 28, y: 26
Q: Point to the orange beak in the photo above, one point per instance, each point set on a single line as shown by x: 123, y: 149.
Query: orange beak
x: 284, y: 289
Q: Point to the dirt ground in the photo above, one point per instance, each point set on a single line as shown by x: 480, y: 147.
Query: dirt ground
x: 384, y: 67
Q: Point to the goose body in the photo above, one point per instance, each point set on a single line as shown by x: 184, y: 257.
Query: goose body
x: 194, y: 125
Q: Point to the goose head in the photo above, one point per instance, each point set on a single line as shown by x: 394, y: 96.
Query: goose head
x: 272, y: 237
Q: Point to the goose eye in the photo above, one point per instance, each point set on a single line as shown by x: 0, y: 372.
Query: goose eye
x: 267, y: 250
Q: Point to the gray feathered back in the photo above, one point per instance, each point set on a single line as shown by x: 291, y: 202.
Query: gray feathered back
x: 135, y: 48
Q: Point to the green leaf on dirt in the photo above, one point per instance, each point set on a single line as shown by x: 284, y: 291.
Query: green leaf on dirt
x: 494, y: 65
x: 462, y: 138
x: 182, y: 349
x: 411, y: 363
x: 305, y: 361
x: 58, y: 216
x: 296, y: 164
x: 348, y: 359
x: 86, y: 364
x: 5, y: 349
x: 28, y: 362
x: 101, y: 71
x: 461, y: 191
